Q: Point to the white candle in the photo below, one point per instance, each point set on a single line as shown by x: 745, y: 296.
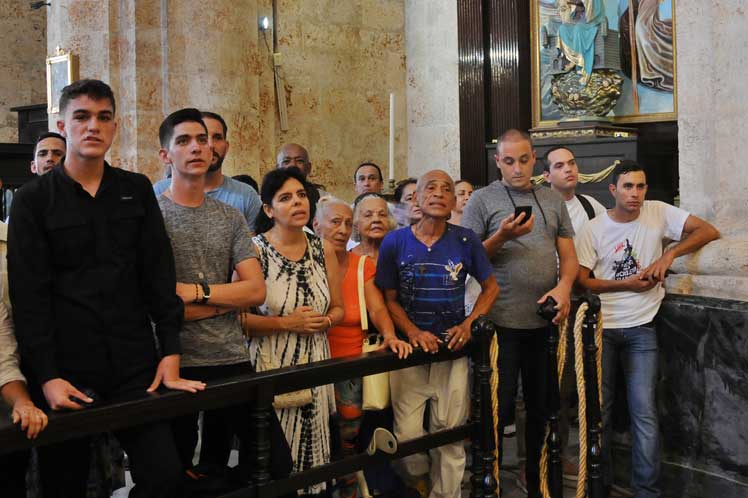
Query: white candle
x: 392, y: 136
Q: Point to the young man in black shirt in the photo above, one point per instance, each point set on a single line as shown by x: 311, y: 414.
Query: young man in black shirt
x: 90, y: 268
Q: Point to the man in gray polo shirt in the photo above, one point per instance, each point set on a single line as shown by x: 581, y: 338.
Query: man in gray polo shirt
x: 523, y: 253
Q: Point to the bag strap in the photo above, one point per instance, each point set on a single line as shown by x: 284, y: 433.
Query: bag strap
x: 587, y: 205
x: 361, y: 296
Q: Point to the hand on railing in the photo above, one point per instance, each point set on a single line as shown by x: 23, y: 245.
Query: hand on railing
x: 426, y: 341
x: 168, y: 374
x: 458, y: 336
x: 61, y: 394
x: 31, y: 418
x: 401, y: 348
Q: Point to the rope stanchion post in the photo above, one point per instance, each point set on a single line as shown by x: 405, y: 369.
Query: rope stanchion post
x: 260, y: 414
x: 592, y: 395
x: 483, y: 483
x: 547, y: 310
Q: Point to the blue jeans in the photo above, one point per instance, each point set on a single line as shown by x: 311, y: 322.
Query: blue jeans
x: 635, y: 349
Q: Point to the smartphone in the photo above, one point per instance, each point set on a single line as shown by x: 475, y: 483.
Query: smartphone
x: 523, y: 209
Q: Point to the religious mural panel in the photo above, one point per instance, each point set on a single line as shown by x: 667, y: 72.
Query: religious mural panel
x: 587, y: 54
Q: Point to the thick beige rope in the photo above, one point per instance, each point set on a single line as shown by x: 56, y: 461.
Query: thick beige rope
x: 581, y: 387
x: 494, y: 353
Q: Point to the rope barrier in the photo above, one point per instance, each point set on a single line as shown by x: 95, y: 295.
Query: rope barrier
x: 495, y: 404
x: 581, y: 385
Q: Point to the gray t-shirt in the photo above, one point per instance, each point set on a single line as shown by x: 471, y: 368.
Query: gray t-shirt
x: 525, y: 267
x: 208, y: 242
x: 234, y: 193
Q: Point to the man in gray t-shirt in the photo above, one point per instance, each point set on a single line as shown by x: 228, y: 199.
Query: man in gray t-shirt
x: 210, y: 241
x: 523, y: 253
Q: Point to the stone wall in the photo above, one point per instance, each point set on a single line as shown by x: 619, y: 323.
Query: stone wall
x: 433, y: 89
x: 23, y: 77
x: 340, y: 61
x: 712, y: 108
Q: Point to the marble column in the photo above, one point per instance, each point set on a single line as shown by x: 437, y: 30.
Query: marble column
x: 161, y: 55
x: 432, y: 90
x: 712, y: 111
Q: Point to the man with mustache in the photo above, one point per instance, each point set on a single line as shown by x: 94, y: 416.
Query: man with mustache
x: 422, y: 270
x: 623, y: 246
x: 48, y: 152
x: 218, y: 186
x: 523, y: 251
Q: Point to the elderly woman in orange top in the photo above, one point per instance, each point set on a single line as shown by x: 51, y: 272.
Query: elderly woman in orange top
x: 333, y: 223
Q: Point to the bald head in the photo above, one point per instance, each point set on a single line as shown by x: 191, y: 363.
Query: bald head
x: 430, y: 176
x: 294, y: 155
x: 436, y: 194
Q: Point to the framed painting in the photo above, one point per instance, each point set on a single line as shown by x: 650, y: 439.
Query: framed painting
x: 609, y: 59
x: 62, y: 69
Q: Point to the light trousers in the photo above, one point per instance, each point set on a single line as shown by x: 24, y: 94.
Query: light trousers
x: 445, y: 386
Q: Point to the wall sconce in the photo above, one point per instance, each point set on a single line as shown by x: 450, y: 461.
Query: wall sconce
x: 264, y: 23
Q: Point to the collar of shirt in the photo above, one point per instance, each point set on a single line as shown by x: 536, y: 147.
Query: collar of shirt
x: 107, y: 179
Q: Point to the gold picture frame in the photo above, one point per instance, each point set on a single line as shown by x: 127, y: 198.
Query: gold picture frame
x: 538, y: 121
x: 62, y: 69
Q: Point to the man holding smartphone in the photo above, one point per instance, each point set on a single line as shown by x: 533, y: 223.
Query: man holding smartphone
x: 523, y: 253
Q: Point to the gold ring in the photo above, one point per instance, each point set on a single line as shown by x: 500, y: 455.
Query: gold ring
x: 459, y: 340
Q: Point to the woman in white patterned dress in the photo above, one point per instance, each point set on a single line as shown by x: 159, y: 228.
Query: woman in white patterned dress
x: 303, y: 301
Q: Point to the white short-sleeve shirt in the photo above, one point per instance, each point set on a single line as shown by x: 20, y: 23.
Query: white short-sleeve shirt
x: 615, y: 251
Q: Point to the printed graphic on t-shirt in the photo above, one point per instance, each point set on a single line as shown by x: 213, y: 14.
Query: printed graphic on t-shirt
x: 628, y: 264
x: 454, y: 270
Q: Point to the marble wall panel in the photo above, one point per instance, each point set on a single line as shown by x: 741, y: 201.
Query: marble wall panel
x: 432, y: 89
x: 340, y: 61
x: 22, y: 62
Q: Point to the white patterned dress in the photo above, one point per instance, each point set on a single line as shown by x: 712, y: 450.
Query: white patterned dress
x: 291, y: 284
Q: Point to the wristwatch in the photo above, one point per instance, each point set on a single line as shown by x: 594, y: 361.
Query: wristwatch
x: 206, y: 291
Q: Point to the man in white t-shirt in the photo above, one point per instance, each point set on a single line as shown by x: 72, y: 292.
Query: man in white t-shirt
x: 562, y: 173
x: 623, y: 247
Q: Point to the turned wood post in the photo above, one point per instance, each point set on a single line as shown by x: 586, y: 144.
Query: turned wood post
x: 483, y: 482
x: 259, y: 418
x: 594, y: 450
x: 553, y: 401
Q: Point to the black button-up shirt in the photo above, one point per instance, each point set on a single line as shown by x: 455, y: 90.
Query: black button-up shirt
x: 87, y: 277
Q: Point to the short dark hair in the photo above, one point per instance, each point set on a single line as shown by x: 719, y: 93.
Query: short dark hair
x: 186, y: 115
x: 462, y: 180
x: 93, y: 89
x: 49, y: 134
x: 401, y: 186
x: 547, y: 162
x: 217, y: 117
x: 272, y: 182
x: 379, y: 170
x: 513, y: 135
x: 623, y: 167
x: 248, y: 180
